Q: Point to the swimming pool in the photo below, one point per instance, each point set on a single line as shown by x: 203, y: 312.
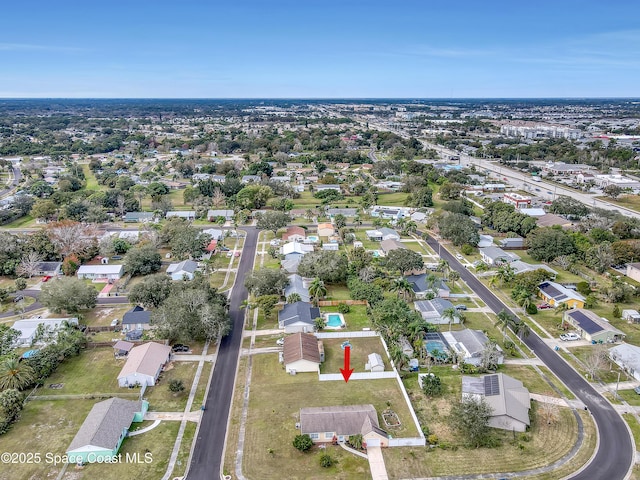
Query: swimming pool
x: 313, y: 239
x: 334, y: 320
x: 435, y: 348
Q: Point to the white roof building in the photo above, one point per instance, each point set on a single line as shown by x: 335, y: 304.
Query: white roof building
x: 29, y: 328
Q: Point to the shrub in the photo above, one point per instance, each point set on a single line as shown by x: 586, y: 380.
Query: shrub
x: 583, y: 288
x: 343, y: 308
x: 432, y: 439
x: 466, y: 249
x: 326, y: 460
x: 431, y: 385
x: 532, y: 309
x: 616, y: 312
x: 303, y: 442
x: 176, y: 385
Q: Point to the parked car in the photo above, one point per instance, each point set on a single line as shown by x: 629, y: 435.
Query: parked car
x: 114, y: 322
x: 569, y: 337
x: 280, y: 341
x: 17, y: 298
x: 178, y: 347
x: 543, y: 306
x: 459, y: 256
x: 461, y: 307
x: 236, y: 254
x: 229, y: 254
x: 46, y: 279
x: 223, y: 249
x: 275, y: 242
x: 637, y: 390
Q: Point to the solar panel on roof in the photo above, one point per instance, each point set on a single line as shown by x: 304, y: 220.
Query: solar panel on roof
x: 491, y: 385
x: 551, y: 291
x: 585, y: 322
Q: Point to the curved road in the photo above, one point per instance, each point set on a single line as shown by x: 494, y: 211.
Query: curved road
x: 206, y: 461
x: 615, y: 454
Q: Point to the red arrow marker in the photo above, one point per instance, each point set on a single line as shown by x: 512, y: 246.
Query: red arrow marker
x: 346, y: 371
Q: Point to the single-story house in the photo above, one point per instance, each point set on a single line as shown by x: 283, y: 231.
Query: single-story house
x: 326, y: 229
x: 421, y: 286
x: 551, y: 219
x: 290, y: 263
x: 338, y: 423
x: 432, y: 310
x: 321, y: 187
x: 512, y: 243
x: 103, y: 430
x: 468, y: 345
x: 251, y: 178
x: 298, y: 317
x: 631, y: 316
x: 131, y: 236
x: 331, y: 247
x: 180, y: 271
x: 374, y: 363
x: 633, y: 271
x: 216, y: 233
x: 419, y: 217
x: 508, y: 398
x: 186, y: 214
x: 136, y: 319
x: 302, y: 352
x: 347, y: 212
x: 383, y: 233
x: 496, y: 256
x: 520, y: 267
x: 388, y: 245
x: 49, y: 269
x: 295, y: 248
x: 213, y: 215
x: 139, y: 217
x: 144, y: 364
x: 294, y: 234
x: 391, y: 213
x: 555, y: 294
x: 31, y: 331
x: 592, y: 327
x: 122, y: 348
x: 627, y: 357
x: 100, y: 272
x: 485, y: 241
x: 297, y: 285
x: 358, y: 244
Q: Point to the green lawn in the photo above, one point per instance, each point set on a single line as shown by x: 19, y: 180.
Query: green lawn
x: 609, y: 374
x: 357, y: 318
x: 274, y: 405
x: 90, y: 178
x: 337, y: 292
x: 161, y: 399
x: 530, y: 378
x: 360, y: 349
x: 629, y: 396
x: 44, y: 426
x: 628, y: 201
x: 103, y: 315
x: 23, y: 222
x: 393, y: 199
x: 202, y: 386
x: 635, y: 428
x: 185, y: 450
x: 544, y: 444
x: 95, y: 370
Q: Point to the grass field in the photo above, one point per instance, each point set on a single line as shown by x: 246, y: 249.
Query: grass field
x: 95, y: 370
x: 628, y: 201
x: 360, y: 349
x: 104, y: 315
x: 90, y: 178
x: 337, y: 292
x: 202, y: 386
x: 161, y: 399
x: 23, y: 222
x: 392, y: 199
x: 630, y: 396
x: 274, y: 406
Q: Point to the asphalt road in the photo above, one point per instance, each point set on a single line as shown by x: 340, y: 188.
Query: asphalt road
x: 615, y: 453
x: 17, y: 175
x: 207, y: 459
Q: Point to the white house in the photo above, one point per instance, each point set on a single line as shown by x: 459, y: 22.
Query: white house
x: 180, y: 271
x: 30, y: 327
x: 496, y: 256
x: 144, y: 364
x: 295, y: 248
x: 381, y: 234
x: 627, y: 357
x: 186, y: 214
x: 100, y: 272
x: 631, y: 316
x: 468, y: 345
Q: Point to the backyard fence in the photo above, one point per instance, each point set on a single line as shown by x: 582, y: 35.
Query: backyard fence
x: 335, y: 303
x: 100, y: 328
x: 84, y: 396
x: 329, y: 377
x: 362, y: 334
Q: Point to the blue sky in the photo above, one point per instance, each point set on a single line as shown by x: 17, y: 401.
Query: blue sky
x: 316, y: 49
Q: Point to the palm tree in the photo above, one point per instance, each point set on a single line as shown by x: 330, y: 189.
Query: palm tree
x: 454, y: 276
x: 410, y: 227
x: 504, y: 321
x: 403, y: 288
x: 521, y: 330
x: 443, y: 266
x: 399, y: 358
x: 14, y: 374
x: 482, y: 267
x: 505, y: 274
x: 308, y: 214
x: 526, y: 302
x: 317, y: 290
x: 461, y: 317
x: 293, y: 298
x: 449, y: 314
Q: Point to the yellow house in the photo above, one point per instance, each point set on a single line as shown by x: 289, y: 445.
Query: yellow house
x: 555, y: 294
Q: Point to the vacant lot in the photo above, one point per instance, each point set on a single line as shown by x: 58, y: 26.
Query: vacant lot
x: 161, y: 399
x: 95, y: 370
x: 274, y: 405
x: 102, y: 316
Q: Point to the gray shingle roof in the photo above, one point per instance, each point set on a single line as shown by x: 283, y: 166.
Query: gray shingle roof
x: 136, y: 315
x: 298, y: 312
x: 105, y: 422
x: 343, y: 419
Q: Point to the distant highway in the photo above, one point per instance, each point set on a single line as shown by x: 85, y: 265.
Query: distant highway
x: 615, y: 454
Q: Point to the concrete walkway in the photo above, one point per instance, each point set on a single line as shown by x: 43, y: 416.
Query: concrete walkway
x: 611, y: 387
x: 145, y: 429
x: 186, y: 357
x: 257, y: 333
x: 524, y: 361
x: 548, y: 399
x: 175, y: 416
x: 352, y: 450
x: 255, y: 351
x: 376, y: 464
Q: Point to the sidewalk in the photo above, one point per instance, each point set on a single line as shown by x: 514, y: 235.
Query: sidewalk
x: 376, y: 464
x: 524, y: 361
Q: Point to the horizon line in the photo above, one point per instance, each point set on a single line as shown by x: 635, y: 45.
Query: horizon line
x: 325, y: 98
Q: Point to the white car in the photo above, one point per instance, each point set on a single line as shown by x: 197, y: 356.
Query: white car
x: 459, y: 256
x: 274, y: 243
x: 280, y: 341
x: 569, y: 337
